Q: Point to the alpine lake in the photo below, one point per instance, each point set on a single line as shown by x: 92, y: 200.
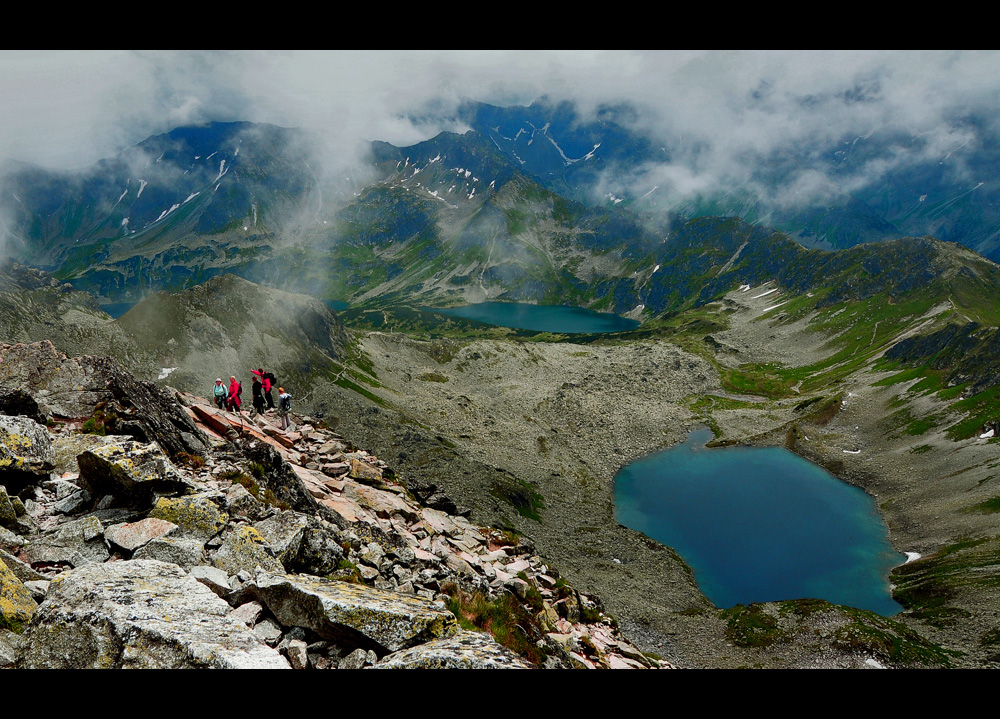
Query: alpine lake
x: 760, y: 524
x: 541, y: 318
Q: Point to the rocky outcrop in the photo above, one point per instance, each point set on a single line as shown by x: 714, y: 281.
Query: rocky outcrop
x: 273, y: 548
x: 345, y: 613
x: 140, y: 614
x: 79, y: 388
x: 130, y: 470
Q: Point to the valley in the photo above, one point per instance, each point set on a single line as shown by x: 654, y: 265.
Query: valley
x: 875, y: 361
x: 563, y: 417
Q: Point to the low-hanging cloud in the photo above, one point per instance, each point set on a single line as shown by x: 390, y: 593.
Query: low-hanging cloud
x: 725, y: 119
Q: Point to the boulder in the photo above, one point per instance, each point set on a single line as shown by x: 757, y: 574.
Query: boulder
x: 139, y: 614
x: 67, y: 447
x: 132, y: 535
x: 197, y: 515
x: 15, y: 401
x: 134, y: 471
x: 16, y: 604
x: 181, y: 551
x: 302, y: 543
x: 351, y: 615
x: 75, y: 543
x: 245, y: 549
x: 75, y: 388
x: 464, y: 650
x: 25, y: 453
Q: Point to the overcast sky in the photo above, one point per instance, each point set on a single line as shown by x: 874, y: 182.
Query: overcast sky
x: 66, y: 109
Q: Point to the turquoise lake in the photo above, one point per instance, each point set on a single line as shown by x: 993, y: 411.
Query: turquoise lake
x: 541, y: 318
x: 760, y: 524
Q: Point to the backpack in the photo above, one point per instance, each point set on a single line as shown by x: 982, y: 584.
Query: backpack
x: 239, y: 390
x: 270, y: 376
x: 285, y: 402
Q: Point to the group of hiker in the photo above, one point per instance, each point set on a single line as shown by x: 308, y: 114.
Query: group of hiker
x: 230, y: 398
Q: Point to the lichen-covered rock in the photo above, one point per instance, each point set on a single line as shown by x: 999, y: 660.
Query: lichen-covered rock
x: 8, y: 515
x: 75, y: 543
x: 67, y: 447
x: 352, y: 615
x: 21, y: 570
x: 244, y: 549
x: 130, y: 470
x: 16, y: 604
x: 302, y: 543
x: 15, y: 401
x: 139, y: 614
x: 132, y: 535
x: 464, y: 650
x: 25, y: 452
x: 182, y: 551
x: 197, y: 515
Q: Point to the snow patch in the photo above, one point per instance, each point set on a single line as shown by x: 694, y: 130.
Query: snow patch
x: 166, y: 212
x: 191, y: 197
x: 764, y: 294
x: 911, y: 557
x: 122, y: 195
x: 142, y: 186
x: 165, y: 372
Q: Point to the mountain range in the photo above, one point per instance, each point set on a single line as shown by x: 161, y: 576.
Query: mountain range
x: 865, y: 345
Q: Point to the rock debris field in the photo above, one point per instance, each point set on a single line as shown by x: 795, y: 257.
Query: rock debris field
x: 141, y: 527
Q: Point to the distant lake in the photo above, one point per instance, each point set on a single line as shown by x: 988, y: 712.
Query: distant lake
x: 336, y: 305
x: 541, y: 318
x: 760, y: 524
x: 117, y: 309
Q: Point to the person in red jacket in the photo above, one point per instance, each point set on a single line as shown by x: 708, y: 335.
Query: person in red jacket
x: 233, y: 398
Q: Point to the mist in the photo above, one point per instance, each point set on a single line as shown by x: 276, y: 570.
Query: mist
x: 768, y: 123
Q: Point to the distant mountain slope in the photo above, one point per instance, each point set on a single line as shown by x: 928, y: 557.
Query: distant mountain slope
x: 952, y: 194
x: 457, y: 218
x: 228, y: 326
x: 35, y: 306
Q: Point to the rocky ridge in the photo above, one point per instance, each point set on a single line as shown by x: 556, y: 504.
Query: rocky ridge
x: 266, y: 548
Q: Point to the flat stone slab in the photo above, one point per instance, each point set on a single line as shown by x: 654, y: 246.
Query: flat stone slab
x: 140, y: 614
x: 132, y: 535
x: 347, y: 613
x: 464, y: 650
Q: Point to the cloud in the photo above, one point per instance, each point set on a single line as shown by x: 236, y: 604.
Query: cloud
x: 721, y: 116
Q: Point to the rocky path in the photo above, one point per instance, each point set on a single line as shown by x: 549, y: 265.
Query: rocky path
x: 269, y: 549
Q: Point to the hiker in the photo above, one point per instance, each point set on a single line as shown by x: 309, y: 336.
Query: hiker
x: 268, y: 381
x: 284, y: 406
x: 258, y: 397
x: 233, y: 398
x: 220, y: 394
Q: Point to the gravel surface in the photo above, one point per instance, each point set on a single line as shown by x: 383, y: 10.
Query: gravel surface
x: 563, y: 418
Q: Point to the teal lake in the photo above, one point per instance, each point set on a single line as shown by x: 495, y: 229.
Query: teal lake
x: 760, y: 524
x: 117, y: 309
x: 541, y: 318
